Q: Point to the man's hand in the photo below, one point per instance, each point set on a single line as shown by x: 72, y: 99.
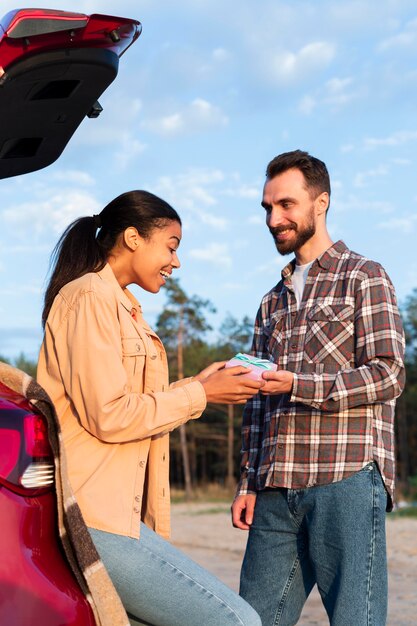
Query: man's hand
x: 242, y: 511
x: 277, y: 382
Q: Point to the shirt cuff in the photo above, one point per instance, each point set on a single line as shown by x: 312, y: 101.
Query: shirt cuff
x: 304, y: 390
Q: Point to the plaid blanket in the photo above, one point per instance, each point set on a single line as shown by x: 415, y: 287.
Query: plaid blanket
x: 76, y: 541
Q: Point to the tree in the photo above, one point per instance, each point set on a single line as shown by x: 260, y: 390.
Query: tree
x: 406, y: 422
x: 234, y: 337
x: 181, y: 325
x: 22, y: 363
x: 26, y: 365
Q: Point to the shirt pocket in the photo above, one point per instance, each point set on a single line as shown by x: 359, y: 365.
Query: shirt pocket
x: 134, y: 354
x: 330, y: 336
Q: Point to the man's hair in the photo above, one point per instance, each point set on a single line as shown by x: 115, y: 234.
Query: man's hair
x: 314, y: 171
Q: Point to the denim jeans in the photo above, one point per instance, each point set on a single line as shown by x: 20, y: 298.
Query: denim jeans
x: 331, y: 535
x: 161, y: 586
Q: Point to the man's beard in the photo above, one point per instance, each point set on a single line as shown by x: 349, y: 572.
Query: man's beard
x: 303, y: 234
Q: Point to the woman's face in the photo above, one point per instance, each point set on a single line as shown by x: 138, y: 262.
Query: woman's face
x: 154, y: 259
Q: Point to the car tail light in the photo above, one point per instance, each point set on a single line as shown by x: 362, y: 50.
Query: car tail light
x: 26, y: 460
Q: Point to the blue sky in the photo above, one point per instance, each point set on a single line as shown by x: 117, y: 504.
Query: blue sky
x: 209, y: 93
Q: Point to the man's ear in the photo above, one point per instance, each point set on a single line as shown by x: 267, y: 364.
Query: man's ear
x: 131, y: 238
x: 322, y: 203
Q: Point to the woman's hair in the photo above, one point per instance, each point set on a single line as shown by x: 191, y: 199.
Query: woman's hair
x: 81, y: 249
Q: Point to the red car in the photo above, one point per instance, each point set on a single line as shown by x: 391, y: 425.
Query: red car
x: 54, y: 65
x: 36, y: 583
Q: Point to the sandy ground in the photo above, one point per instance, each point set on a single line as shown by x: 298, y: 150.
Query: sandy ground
x: 205, y: 533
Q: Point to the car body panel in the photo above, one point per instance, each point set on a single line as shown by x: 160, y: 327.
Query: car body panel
x: 36, y: 583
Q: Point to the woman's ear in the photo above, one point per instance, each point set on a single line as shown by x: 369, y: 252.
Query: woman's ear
x: 131, y: 238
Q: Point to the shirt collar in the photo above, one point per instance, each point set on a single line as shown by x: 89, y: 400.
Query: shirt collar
x: 326, y: 261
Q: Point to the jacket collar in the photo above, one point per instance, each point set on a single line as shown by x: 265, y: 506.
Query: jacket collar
x: 126, y: 298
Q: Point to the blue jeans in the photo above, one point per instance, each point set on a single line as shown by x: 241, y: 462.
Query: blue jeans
x: 161, y: 586
x: 331, y: 535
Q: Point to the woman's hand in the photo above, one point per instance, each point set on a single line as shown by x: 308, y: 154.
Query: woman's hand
x: 210, y: 369
x: 229, y: 386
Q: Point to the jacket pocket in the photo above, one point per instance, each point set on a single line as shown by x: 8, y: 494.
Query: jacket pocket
x: 134, y: 354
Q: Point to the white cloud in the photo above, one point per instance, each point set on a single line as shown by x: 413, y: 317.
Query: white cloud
x: 219, y: 223
x: 221, y: 54
x: 339, y: 91
x: 362, y: 179
x: 406, y: 224
x: 307, y: 105
x: 75, y: 177
x: 335, y: 93
x: 215, y: 254
x: 198, y: 116
x: 52, y: 212
x: 256, y: 219
x: 273, y: 267
x: 249, y: 192
x: 234, y: 286
x: 402, y: 162
x: 404, y: 40
x: 336, y: 85
x: 119, y: 116
x: 286, y: 66
x: 347, y: 147
x: 22, y: 291
x: 191, y: 190
x: 395, y: 139
x: 129, y: 148
x: 362, y: 205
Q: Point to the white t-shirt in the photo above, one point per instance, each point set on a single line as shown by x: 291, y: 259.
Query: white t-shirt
x: 299, y: 278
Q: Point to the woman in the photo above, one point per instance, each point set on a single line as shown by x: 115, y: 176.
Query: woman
x: 106, y: 372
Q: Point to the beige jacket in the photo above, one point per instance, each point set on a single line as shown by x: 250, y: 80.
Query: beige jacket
x: 107, y: 375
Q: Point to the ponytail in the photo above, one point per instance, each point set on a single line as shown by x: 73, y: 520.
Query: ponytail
x: 76, y: 253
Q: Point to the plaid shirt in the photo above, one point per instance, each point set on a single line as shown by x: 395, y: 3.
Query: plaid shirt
x: 345, y: 346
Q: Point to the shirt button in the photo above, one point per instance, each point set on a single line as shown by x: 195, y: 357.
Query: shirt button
x: 163, y: 457
x: 141, y: 463
x: 153, y: 356
x: 138, y: 346
x: 136, y: 509
x: 280, y: 446
x: 285, y: 412
x: 294, y: 346
x: 137, y: 498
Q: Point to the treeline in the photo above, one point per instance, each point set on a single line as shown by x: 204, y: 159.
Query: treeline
x: 207, y: 450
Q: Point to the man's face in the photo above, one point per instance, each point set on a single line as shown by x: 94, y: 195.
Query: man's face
x: 290, y: 211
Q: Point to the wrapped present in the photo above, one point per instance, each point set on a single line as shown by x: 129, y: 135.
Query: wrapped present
x: 255, y: 366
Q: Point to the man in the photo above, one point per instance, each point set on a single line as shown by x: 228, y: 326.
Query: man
x: 317, y: 472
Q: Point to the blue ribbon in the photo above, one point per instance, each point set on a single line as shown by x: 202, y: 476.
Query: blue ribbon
x: 252, y: 360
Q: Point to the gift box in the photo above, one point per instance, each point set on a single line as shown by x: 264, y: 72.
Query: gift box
x: 255, y: 366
